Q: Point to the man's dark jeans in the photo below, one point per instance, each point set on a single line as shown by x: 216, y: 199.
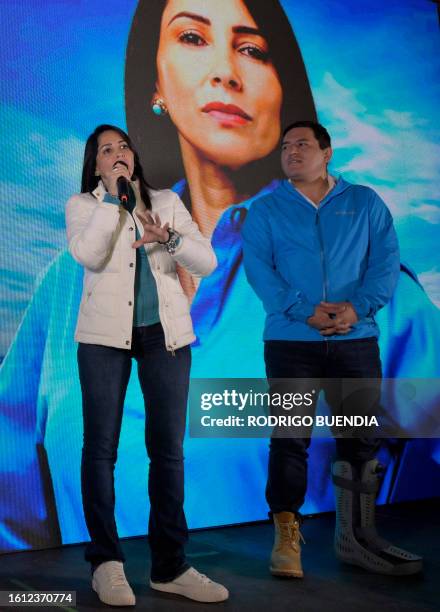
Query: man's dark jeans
x: 329, y: 359
x: 164, y: 379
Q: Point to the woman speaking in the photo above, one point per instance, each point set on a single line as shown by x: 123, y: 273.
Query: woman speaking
x: 133, y: 306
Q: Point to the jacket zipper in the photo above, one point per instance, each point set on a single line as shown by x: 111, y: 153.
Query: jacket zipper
x: 322, y: 255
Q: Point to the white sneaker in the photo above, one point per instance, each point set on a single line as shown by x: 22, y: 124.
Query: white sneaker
x: 195, y: 586
x: 111, y: 585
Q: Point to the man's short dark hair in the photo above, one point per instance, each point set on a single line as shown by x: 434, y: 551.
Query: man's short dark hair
x: 321, y: 134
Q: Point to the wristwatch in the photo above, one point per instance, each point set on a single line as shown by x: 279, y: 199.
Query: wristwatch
x: 173, y: 242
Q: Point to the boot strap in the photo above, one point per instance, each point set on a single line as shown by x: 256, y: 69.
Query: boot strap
x: 355, y: 485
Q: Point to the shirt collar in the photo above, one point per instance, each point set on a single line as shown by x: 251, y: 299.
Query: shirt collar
x: 100, y: 191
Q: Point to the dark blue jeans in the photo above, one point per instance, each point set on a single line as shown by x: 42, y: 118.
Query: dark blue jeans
x: 329, y: 359
x: 164, y: 379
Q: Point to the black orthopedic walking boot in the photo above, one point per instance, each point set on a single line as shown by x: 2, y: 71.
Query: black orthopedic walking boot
x: 356, y: 539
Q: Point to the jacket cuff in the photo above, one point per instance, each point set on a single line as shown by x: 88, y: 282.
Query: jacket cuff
x: 197, y: 257
x: 300, y: 311
x: 361, y: 306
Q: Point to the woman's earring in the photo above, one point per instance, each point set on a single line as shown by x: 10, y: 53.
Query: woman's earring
x: 158, y: 106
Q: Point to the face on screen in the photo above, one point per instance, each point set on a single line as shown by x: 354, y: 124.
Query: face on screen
x: 301, y: 156
x: 215, y: 76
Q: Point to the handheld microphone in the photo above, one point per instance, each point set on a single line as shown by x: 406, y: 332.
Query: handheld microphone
x: 122, y: 184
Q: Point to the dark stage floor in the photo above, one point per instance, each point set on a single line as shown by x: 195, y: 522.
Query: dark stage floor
x: 238, y: 557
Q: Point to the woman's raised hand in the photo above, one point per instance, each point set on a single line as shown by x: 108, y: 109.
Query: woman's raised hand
x: 153, y: 230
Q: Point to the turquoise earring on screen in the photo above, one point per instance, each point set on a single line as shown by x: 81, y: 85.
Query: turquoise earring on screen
x: 158, y: 106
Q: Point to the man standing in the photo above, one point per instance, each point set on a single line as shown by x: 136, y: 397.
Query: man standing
x: 322, y: 255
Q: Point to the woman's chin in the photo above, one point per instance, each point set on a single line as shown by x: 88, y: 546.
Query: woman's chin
x: 227, y: 148
x: 232, y: 157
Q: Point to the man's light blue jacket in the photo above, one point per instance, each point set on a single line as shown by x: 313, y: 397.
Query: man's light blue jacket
x: 297, y: 255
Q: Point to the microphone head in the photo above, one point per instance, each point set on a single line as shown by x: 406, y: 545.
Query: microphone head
x: 123, y: 188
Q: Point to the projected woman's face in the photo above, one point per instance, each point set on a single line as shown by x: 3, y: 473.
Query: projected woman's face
x: 218, y: 83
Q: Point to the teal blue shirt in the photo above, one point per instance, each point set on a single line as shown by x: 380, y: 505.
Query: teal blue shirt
x: 146, y: 301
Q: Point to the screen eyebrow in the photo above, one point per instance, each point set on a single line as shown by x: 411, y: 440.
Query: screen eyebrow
x: 193, y: 16
x: 241, y: 29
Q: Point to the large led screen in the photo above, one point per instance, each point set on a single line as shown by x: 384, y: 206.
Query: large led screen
x: 368, y: 70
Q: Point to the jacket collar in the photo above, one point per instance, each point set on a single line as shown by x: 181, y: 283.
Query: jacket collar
x: 100, y: 191
x: 340, y: 186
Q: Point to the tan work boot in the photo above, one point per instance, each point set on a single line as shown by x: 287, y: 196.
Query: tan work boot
x: 286, y: 552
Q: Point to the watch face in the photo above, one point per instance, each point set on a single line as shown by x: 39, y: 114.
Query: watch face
x: 173, y: 242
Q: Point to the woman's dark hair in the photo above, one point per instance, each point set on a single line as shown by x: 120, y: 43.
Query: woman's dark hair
x: 321, y: 134
x: 89, y: 180
x: 156, y: 137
